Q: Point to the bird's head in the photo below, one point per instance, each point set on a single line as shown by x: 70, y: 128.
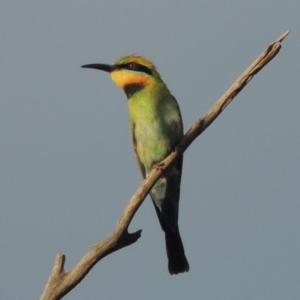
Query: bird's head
x: 131, y: 73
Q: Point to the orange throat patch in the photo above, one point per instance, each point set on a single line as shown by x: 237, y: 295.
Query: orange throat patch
x: 124, y: 77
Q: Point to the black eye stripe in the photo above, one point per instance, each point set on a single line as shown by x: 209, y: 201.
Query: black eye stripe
x: 136, y: 67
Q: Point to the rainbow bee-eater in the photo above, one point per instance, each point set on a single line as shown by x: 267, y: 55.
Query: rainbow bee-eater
x: 156, y: 128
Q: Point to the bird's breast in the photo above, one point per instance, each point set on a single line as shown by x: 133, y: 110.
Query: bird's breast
x: 156, y: 125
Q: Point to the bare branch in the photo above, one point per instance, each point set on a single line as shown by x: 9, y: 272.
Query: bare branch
x: 60, y: 281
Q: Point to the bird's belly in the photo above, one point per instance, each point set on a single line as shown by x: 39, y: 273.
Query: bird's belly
x: 153, y: 144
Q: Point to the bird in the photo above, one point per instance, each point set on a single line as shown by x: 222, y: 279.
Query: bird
x: 156, y: 128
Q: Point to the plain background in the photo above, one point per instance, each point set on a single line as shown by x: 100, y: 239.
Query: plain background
x: 68, y: 169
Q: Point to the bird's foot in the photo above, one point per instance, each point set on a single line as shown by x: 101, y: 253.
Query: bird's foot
x: 158, y: 165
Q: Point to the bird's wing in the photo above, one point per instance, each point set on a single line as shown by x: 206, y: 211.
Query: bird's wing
x: 142, y: 168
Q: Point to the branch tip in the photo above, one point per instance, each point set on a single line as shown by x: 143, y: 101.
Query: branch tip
x: 59, y: 263
x: 283, y: 36
x: 129, y: 238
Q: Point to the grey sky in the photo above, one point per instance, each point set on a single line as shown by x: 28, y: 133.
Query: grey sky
x: 68, y: 169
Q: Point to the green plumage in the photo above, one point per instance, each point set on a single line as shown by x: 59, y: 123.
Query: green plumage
x: 156, y: 127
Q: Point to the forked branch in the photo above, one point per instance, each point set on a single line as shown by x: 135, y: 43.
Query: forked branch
x: 60, y: 281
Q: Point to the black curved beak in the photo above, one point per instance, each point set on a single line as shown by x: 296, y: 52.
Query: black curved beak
x: 102, y: 67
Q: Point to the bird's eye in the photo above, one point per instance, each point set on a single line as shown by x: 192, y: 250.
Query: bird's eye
x: 132, y: 66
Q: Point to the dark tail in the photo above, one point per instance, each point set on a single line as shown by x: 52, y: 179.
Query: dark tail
x: 175, y: 251
x: 165, y: 196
